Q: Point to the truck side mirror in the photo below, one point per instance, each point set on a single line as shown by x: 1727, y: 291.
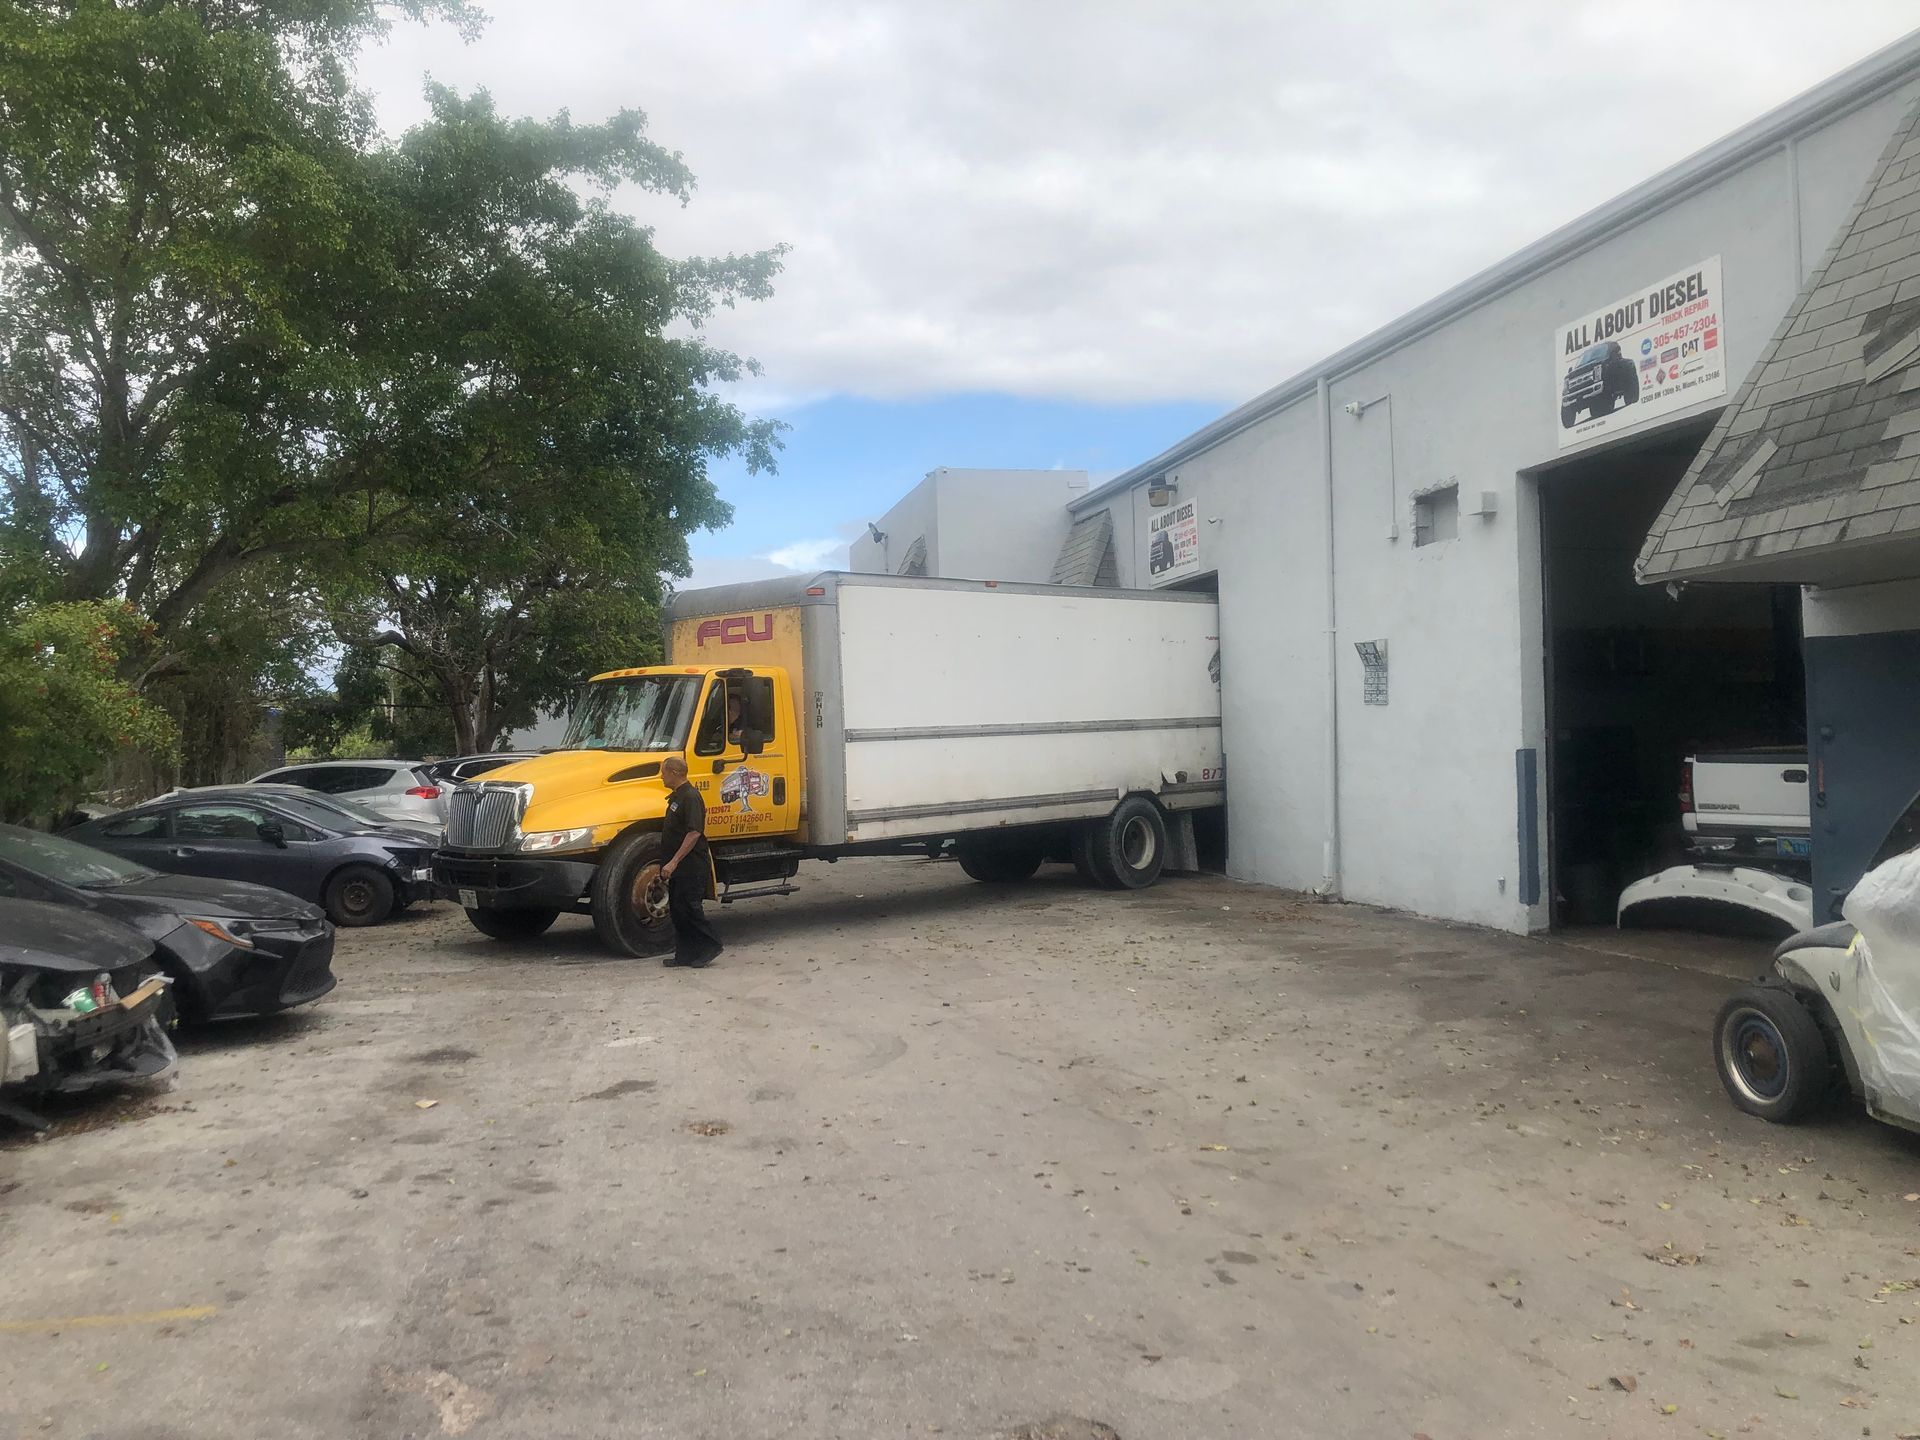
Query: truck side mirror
x: 752, y: 742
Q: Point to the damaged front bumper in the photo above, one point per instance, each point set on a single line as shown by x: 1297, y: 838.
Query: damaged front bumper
x: 59, y: 1051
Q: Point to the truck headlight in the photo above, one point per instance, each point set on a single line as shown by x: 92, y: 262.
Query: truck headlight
x: 537, y: 841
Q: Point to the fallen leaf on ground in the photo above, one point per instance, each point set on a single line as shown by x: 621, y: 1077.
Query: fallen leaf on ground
x: 1669, y: 1409
x: 1786, y: 1394
x: 1624, y: 1382
x: 709, y: 1127
x: 1213, y: 1147
x: 425, y: 1104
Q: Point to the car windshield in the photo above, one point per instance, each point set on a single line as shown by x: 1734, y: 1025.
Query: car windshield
x: 637, y: 712
x: 53, y: 858
x: 1593, y: 356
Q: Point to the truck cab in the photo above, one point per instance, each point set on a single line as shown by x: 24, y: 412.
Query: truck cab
x: 531, y: 839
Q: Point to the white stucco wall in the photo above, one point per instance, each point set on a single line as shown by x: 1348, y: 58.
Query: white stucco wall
x: 1427, y: 803
x: 911, y: 517
x: 978, y: 524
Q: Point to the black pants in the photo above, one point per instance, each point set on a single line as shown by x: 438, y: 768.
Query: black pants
x: 694, y: 941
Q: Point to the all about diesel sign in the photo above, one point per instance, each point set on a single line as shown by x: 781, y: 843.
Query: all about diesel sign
x: 1656, y: 351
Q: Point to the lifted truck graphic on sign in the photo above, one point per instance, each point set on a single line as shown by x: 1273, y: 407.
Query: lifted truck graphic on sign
x: 1626, y: 363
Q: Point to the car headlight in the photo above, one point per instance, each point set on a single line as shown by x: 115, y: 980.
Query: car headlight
x: 538, y: 841
x: 222, y: 930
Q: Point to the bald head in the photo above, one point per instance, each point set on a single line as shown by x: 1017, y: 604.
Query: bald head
x: 673, y: 769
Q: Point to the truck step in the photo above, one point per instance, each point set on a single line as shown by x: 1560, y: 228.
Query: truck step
x: 757, y: 850
x: 729, y: 895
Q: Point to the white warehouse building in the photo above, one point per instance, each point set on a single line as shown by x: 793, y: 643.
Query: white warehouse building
x: 1444, y: 688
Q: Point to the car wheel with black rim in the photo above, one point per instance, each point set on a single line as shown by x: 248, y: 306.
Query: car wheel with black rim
x: 513, y: 924
x: 1772, y: 1058
x: 629, y: 897
x: 358, y: 895
x: 1129, y: 847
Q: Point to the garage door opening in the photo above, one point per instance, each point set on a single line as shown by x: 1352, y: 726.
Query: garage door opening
x: 1639, y: 678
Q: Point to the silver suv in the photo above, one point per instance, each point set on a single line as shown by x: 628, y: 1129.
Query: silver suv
x: 399, y: 789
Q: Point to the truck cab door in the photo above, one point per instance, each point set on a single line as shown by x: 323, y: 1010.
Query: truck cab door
x: 757, y: 795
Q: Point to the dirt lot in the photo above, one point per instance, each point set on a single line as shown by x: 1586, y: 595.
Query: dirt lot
x: 920, y: 1157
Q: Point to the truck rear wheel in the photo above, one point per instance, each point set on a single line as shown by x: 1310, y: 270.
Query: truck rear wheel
x: 1085, y: 861
x: 1000, y: 862
x: 1130, y: 845
x: 629, y: 909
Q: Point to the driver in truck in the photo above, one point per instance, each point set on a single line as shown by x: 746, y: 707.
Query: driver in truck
x: 683, y: 839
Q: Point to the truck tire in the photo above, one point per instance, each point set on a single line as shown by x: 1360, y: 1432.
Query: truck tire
x: 628, y: 917
x: 1000, y: 862
x: 1630, y: 386
x: 1130, y: 845
x: 513, y: 924
x: 1567, y: 413
x: 1772, y: 1058
x: 1085, y: 861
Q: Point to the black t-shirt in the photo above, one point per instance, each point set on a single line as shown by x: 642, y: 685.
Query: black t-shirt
x: 685, y: 811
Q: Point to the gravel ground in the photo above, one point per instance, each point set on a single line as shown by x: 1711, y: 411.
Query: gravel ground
x: 924, y: 1157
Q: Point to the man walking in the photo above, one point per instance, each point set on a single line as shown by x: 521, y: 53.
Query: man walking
x: 683, y: 840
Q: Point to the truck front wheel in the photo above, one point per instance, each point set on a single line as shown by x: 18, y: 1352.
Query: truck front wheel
x: 1001, y: 862
x: 1128, y: 849
x: 629, y: 909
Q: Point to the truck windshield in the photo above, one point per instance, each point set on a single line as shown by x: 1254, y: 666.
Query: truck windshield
x: 639, y: 712
x: 1593, y: 357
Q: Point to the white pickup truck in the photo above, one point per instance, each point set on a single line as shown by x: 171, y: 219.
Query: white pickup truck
x: 1749, y: 831
x: 1747, y: 806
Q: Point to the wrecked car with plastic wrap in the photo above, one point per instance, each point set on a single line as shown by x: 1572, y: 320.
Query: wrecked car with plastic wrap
x: 82, y: 1005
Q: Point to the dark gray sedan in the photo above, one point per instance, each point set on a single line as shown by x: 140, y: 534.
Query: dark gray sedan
x: 230, y: 948
x: 358, y: 869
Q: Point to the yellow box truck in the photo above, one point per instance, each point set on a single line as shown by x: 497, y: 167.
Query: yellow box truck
x: 860, y: 715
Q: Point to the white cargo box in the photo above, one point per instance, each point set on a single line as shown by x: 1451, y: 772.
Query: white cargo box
x: 936, y: 707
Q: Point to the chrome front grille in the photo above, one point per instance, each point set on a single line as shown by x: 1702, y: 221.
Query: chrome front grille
x: 484, y: 817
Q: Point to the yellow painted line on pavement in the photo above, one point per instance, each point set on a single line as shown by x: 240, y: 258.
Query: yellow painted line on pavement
x: 90, y: 1322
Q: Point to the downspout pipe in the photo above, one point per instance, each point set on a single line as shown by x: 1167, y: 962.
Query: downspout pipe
x: 1330, y: 850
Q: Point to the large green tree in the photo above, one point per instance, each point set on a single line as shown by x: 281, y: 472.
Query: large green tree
x: 238, y: 325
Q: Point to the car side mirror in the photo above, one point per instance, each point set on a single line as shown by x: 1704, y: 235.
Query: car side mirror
x: 752, y: 742
x: 272, y: 834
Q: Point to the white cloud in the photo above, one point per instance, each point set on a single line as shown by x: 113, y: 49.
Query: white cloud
x: 1128, y: 199
x: 809, y: 555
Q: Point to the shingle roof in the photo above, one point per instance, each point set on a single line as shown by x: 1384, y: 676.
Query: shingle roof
x: 1821, y: 446
x: 1086, y: 555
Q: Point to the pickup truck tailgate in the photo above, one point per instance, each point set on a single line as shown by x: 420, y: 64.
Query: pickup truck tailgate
x: 1748, y: 790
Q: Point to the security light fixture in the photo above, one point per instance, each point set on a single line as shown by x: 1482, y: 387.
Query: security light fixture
x: 1160, y: 492
x: 879, y: 535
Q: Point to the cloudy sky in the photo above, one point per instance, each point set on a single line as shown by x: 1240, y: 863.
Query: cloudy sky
x: 1067, y: 232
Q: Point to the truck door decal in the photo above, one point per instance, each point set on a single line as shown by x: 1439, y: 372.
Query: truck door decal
x: 743, y: 784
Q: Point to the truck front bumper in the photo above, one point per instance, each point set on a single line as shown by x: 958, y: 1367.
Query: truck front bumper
x: 511, y: 882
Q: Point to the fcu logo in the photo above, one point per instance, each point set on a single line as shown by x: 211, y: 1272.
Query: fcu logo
x: 735, y: 630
